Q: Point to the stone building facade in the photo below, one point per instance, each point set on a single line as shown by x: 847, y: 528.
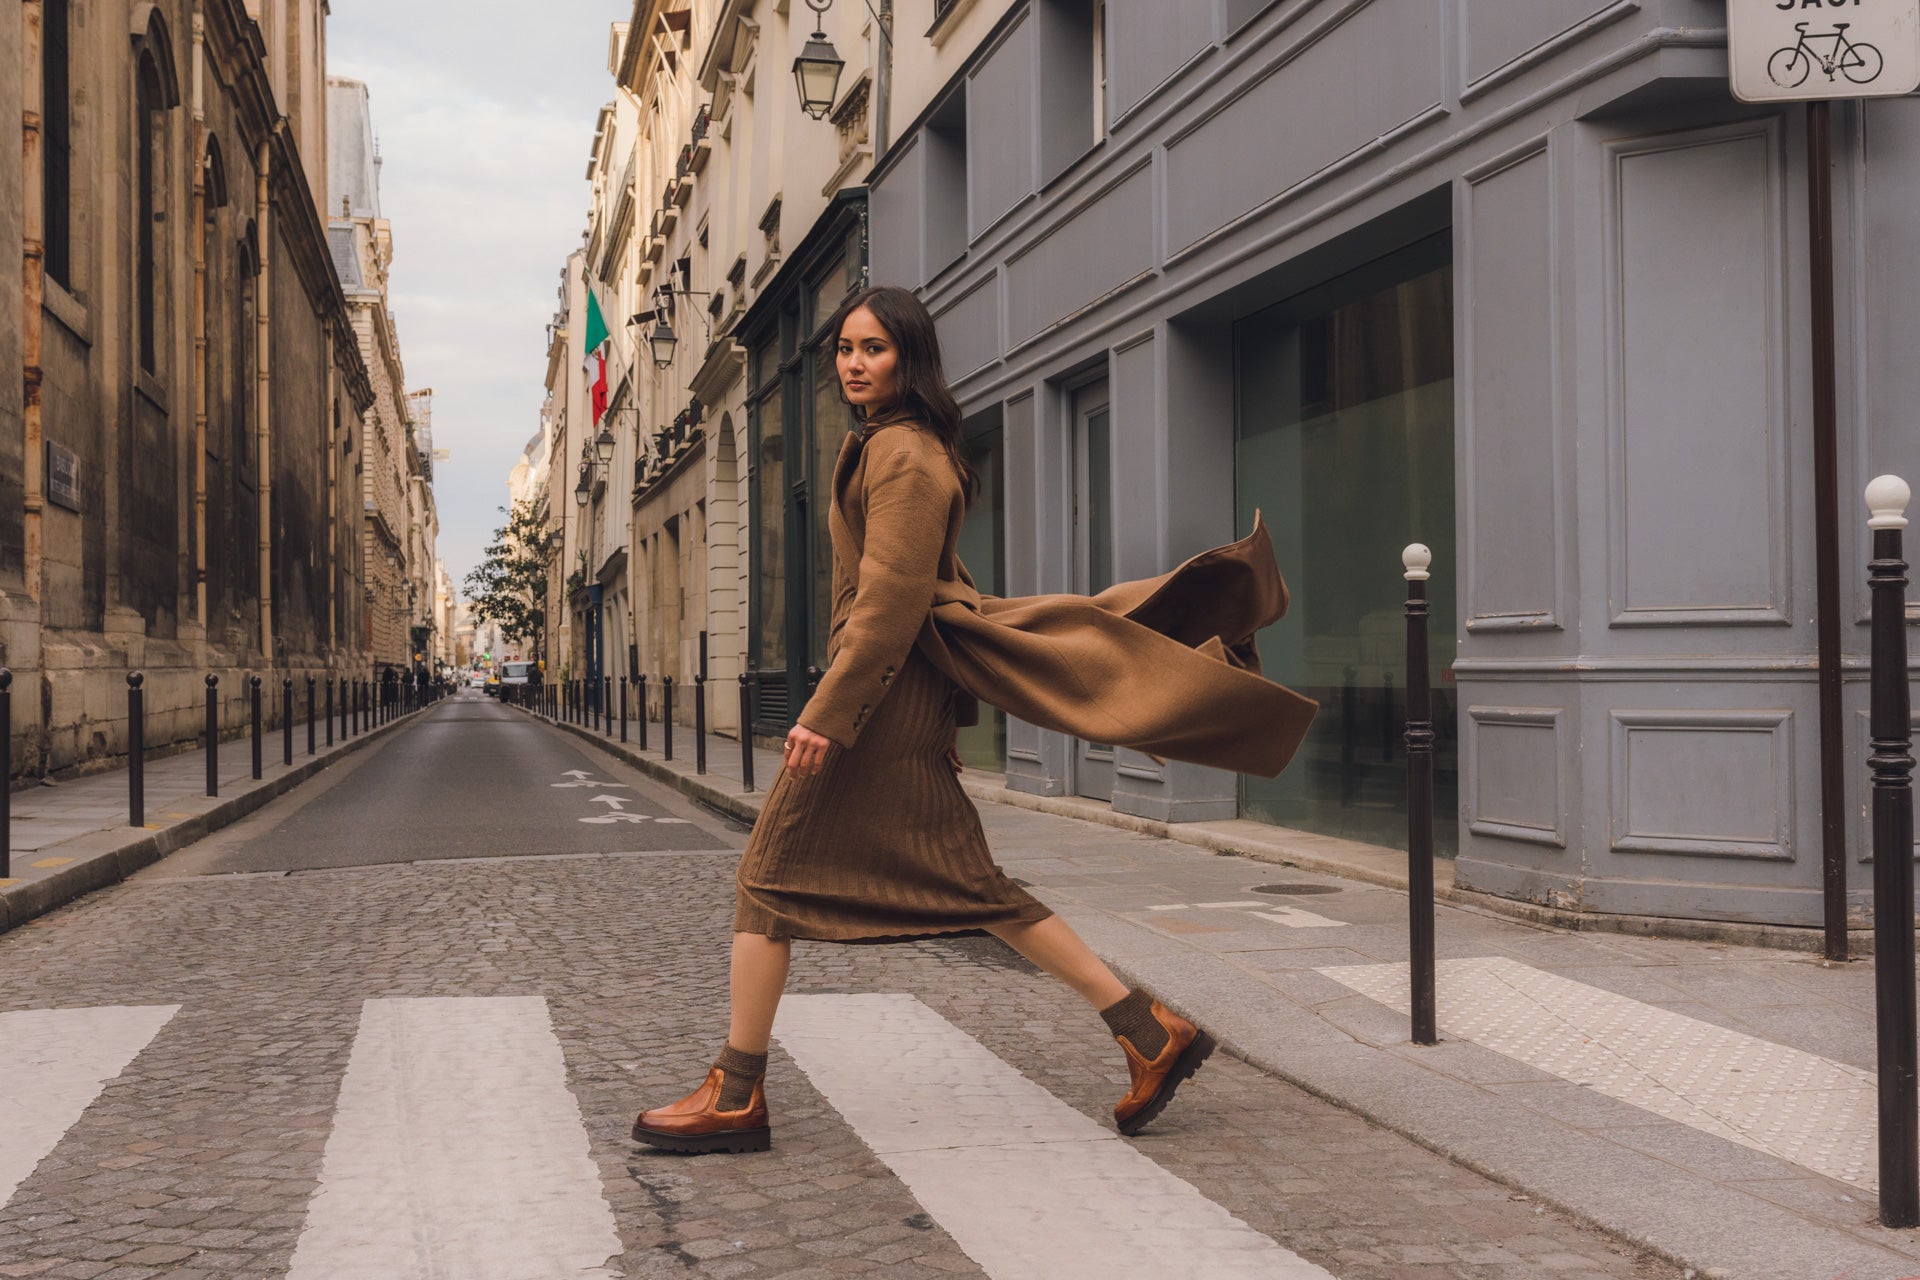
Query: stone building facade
x: 175, y: 456
x: 1518, y: 279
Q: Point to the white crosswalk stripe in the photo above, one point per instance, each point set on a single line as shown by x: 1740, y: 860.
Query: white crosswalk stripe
x: 1027, y: 1186
x: 457, y: 1152
x: 54, y: 1063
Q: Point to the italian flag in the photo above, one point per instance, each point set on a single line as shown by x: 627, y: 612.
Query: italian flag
x: 596, y: 361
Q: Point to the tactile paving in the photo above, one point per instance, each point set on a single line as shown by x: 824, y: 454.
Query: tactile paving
x: 1803, y: 1108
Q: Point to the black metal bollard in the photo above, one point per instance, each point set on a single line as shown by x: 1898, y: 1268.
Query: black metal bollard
x: 253, y: 685
x: 313, y: 709
x: 640, y: 704
x: 746, y: 732
x: 213, y: 734
x: 666, y: 717
x: 286, y: 721
x: 699, y: 723
x: 606, y: 701
x: 329, y: 711
x: 1891, y: 763
x: 136, y: 750
x: 623, y: 708
x: 1417, y: 558
x: 592, y: 689
x: 6, y: 773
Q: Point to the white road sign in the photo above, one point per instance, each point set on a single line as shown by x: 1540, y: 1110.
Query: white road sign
x: 1800, y: 50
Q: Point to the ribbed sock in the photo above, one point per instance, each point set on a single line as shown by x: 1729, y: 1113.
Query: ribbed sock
x: 739, y: 1073
x: 1132, y: 1020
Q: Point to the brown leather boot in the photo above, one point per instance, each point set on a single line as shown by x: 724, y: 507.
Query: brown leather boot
x: 1154, y: 1081
x: 696, y: 1126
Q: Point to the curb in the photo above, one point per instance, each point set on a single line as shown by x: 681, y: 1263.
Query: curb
x: 121, y: 857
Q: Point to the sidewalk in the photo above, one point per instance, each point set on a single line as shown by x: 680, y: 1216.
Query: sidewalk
x: 1712, y: 1102
x: 69, y: 838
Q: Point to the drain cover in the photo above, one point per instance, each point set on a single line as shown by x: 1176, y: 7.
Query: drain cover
x: 1296, y: 890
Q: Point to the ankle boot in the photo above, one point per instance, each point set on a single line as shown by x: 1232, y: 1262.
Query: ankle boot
x: 696, y: 1125
x: 1156, y: 1078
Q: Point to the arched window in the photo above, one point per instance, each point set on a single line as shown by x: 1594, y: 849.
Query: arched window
x: 56, y: 141
x: 148, y: 175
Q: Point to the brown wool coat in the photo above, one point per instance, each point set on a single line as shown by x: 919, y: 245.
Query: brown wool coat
x: 1164, y: 665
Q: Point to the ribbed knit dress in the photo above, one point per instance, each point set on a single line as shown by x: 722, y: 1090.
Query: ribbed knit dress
x: 882, y: 844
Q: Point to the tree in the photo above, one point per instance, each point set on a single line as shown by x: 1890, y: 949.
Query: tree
x: 510, y: 586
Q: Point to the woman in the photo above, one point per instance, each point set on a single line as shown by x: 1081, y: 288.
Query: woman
x: 867, y: 835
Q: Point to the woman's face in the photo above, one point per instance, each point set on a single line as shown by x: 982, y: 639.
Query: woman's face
x: 868, y: 361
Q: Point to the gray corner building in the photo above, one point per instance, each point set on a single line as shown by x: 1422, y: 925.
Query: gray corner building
x: 1518, y: 279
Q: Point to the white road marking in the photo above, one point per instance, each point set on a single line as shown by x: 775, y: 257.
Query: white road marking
x: 602, y: 819
x: 586, y: 784
x: 54, y: 1063
x: 1296, y: 918
x: 1027, y: 1186
x: 1291, y: 917
x: 1803, y: 1108
x: 576, y: 773
x: 457, y: 1152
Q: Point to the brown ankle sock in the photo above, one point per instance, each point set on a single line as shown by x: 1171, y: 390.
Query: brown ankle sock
x: 739, y: 1073
x: 1132, y: 1020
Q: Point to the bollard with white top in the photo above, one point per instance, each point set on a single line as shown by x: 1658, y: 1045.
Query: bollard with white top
x: 1891, y: 764
x: 1417, y: 560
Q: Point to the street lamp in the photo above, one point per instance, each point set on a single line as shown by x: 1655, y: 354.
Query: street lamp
x: 663, y: 340
x: 817, y: 70
x: 603, y: 444
x: 583, y: 490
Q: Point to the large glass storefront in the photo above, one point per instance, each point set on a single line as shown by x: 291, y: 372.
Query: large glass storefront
x: 1344, y: 421
x: 983, y: 549
x: 796, y: 424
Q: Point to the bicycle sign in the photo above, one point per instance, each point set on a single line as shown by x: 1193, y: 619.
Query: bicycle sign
x: 1804, y: 50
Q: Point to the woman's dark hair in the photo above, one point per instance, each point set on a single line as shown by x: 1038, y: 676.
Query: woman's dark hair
x: 924, y: 396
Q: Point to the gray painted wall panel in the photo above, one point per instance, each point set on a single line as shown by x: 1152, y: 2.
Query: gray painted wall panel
x: 1139, y: 452
x: 1000, y: 127
x: 1104, y: 244
x: 969, y: 329
x: 1697, y: 455
x: 1308, y: 113
x: 1892, y: 303
x: 1147, y: 41
x: 1516, y: 775
x: 1509, y: 304
x: 1712, y: 783
x: 1495, y: 32
x: 895, y: 214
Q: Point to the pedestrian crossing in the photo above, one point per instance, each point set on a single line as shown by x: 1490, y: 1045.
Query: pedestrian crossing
x: 456, y: 1148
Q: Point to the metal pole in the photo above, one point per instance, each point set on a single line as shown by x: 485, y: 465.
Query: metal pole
x: 136, y: 750
x: 623, y: 708
x: 606, y: 700
x: 641, y: 706
x: 313, y: 707
x: 666, y: 717
x: 6, y: 773
x: 746, y: 732
x: 286, y: 721
x: 1826, y: 521
x: 329, y: 712
x: 253, y: 684
x: 213, y: 734
x: 700, y: 720
x: 1891, y: 763
x: 1416, y: 559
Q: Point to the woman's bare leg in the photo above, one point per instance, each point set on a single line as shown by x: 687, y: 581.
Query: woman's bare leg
x: 1055, y: 947
x: 759, y: 976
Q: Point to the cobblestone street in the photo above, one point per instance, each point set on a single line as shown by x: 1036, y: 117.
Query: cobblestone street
x: 202, y: 1155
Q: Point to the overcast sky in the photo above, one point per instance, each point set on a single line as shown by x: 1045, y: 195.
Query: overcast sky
x: 485, y: 112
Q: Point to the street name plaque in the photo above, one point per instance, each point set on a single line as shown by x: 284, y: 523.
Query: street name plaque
x: 1808, y: 50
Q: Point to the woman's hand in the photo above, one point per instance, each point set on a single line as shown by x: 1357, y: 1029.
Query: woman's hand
x: 806, y: 751
x: 953, y: 759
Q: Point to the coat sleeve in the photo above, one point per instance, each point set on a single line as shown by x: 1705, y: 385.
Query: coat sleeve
x: 908, y: 501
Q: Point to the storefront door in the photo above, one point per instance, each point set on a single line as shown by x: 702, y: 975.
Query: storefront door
x: 1092, y: 549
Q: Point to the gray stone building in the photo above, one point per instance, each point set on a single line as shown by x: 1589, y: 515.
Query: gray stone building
x: 1518, y: 279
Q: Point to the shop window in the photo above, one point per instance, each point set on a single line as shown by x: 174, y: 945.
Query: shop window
x: 983, y: 549
x: 148, y: 178
x: 1344, y: 421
